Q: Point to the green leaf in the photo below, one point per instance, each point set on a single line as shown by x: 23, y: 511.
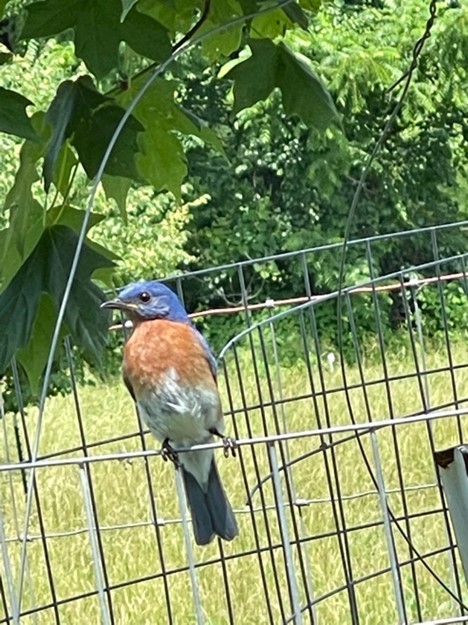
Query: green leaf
x: 13, y: 118
x: 146, y: 36
x: 18, y: 310
x: 275, y: 66
x: 96, y: 25
x: 162, y: 160
x: 93, y: 136
x: 191, y: 124
x: 98, y: 29
x: 228, y: 40
x: 126, y: 7
x: 33, y: 357
x: 60, y: 114
x: 87, y: 323
x: 70, y: 216
x: 296, y: 15
x: 254, y: 78
x: 309, y: 98
x: 49, y: 17
x: 26, y: 225
x: 5, y: 57
x: 26, y: 215
x: 117, y: 188
x: 106, y: 253
x: 104, y: 274
x: 98, y: 35
x: 176, y: 15
x: 20, y: 193
x: 66, y: 163
x: 89, y: 119
x: 249, y: 6
x: 46, y: 271
x: 270, y: 25
x: 311, y: 5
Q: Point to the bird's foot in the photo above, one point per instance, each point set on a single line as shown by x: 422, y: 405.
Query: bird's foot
x: 169, y: 453
x: 229, y: 444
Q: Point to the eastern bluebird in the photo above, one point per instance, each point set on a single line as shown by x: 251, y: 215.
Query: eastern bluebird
x: 170, y: 372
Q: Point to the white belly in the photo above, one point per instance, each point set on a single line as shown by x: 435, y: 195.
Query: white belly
x: 183, y: 415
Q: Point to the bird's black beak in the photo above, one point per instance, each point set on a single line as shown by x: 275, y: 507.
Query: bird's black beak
x: 118, y: 304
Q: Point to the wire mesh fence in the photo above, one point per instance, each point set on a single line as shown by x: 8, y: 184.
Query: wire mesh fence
x: 341, y: 514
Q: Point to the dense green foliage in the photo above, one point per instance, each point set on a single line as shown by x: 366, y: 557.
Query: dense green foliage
x: 289, y: 187
x: 231, y: 154
x: 88, y: 126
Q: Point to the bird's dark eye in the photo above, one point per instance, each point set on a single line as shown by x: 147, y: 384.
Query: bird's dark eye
x: 144, y: 297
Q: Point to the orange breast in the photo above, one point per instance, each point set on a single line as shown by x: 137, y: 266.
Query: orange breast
x: 157, y: 346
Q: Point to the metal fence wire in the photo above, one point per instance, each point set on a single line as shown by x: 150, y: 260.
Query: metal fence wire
x: 342, y: 517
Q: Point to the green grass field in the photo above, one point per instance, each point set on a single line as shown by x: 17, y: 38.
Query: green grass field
x: 131, y: 553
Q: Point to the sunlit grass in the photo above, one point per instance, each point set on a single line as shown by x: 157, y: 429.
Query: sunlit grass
x: 129, y: 538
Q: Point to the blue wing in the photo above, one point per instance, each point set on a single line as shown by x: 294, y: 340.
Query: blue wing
x: 209, y: 354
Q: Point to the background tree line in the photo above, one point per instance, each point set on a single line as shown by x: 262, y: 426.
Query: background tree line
x: 290, y: 186
x: 234, y: 172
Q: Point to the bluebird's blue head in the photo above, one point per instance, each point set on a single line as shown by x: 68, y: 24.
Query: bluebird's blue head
x: 147, y: 300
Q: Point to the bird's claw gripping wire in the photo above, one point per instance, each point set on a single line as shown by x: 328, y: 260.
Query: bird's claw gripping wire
x: 169, y: 453
x: 229, y: 444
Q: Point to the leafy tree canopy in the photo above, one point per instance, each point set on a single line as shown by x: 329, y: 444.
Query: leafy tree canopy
x: 290, y: 186
x: 61, y: 135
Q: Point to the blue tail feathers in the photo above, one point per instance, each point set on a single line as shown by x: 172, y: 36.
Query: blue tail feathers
x: 211, y: 511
